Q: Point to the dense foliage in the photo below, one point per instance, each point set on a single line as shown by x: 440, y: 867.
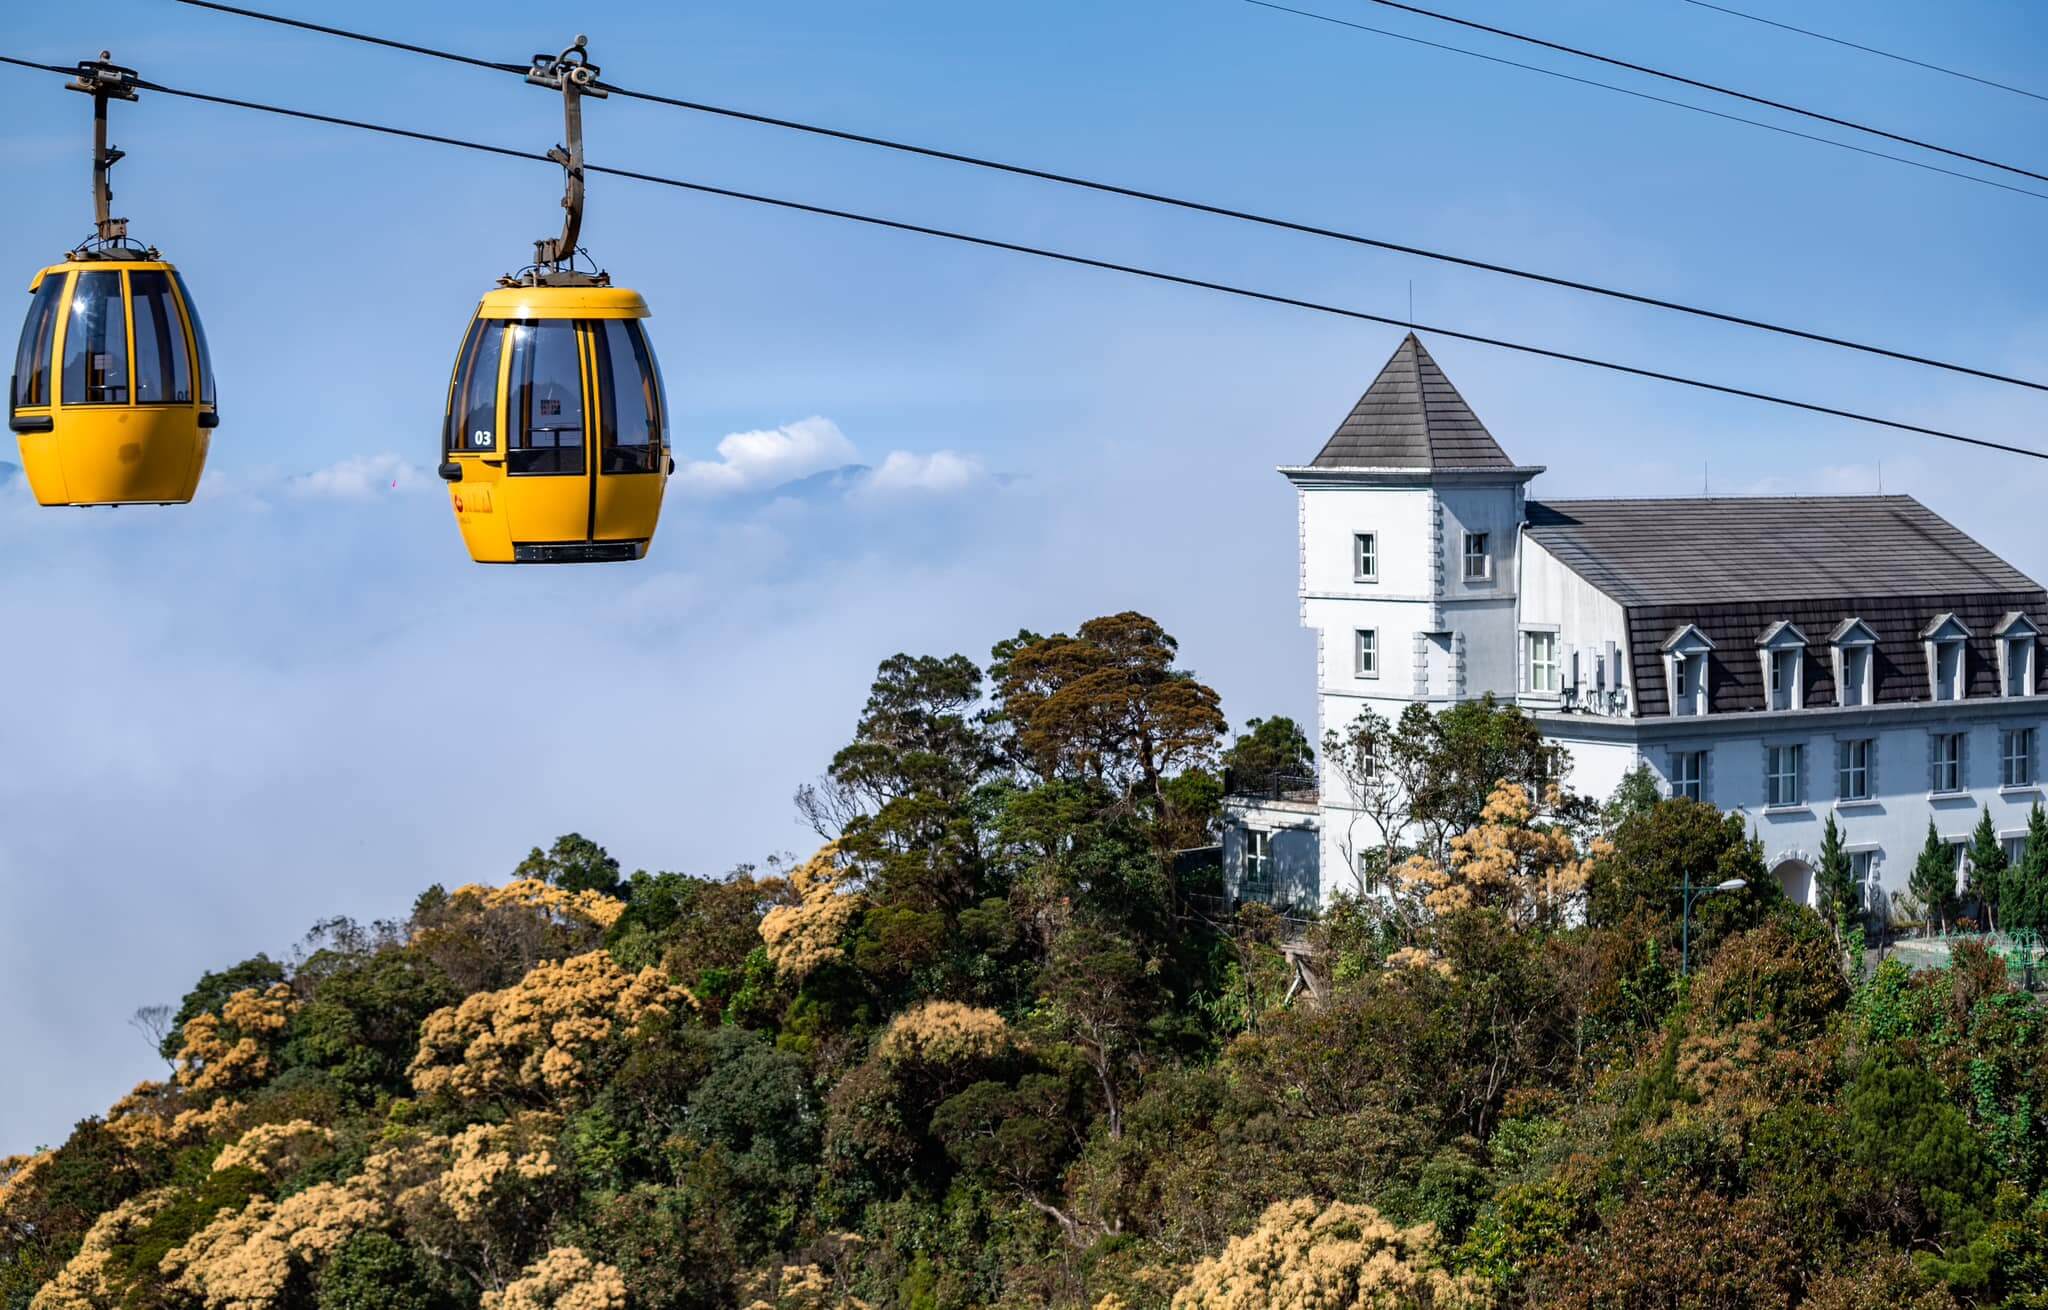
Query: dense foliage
x: 995, y: 1044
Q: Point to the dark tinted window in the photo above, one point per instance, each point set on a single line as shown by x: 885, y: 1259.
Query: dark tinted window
x: 547, y: 398
x: 199, y: 341
x: 163, y: 370
x: 625, y: 373
x: 473, y: 395
x: 96, y: 342
x: 32, y: 357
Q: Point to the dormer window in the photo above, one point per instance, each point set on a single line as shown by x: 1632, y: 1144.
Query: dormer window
x: 1944, y: 642
x: 1854, y: 648
x: 1782, y: 650
x: 1686, y: 672
x: 2018, y: 646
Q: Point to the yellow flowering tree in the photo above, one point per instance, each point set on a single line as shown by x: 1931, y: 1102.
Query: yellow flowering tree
x: 1339, y: 1257
x: 95, y: 1278
x: 946, y: 1034
x: 802, y: 937
x: 539, y: 1039
x: 233, y: 1049
x: 276, y: 1150
x: 484, y: 937
x: 563, y: 1279
x: 1510, y: 861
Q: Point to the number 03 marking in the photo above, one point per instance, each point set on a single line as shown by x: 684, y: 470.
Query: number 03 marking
x: 480, y: 437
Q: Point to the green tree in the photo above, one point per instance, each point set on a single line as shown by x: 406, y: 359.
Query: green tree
x: 574, y: 863
x: 1835, y: 882
x: 1096, y: 993
x: 897, y: 795
x: 1269, y: 753
x: 1986, y: 857
x: 2024, y: 890
x: 212, y: 991
x: 371, y: 1271
x: 1933, y: 880
x: 1636, y: 793
x: 1929, y: 1165
x: 1657, y: 850
x: 1109, y: 706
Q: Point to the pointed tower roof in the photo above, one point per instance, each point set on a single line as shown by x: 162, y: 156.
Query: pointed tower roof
x: 1411, y: 417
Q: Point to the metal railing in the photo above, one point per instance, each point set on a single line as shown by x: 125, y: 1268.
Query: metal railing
x: 1270, y: 786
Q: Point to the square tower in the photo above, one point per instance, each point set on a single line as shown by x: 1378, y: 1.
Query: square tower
x: 1410, y: 520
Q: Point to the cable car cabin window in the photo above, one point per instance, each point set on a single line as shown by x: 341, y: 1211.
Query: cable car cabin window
x: 163, y: 371
x: 631, y: 416
x: 38, y: 335
x: 547, y: 397
x: 473, y: 417
x: 96, y: 342
x: 198, y: 341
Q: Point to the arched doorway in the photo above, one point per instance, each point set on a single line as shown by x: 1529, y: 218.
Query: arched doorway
x: 1795, y: 879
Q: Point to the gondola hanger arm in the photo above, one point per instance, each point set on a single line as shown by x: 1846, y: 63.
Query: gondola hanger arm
x: 572, y: 74
x: 104, y: 81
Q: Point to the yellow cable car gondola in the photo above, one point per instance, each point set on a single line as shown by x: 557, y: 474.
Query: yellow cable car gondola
x: 553, y: 440
x: 112, y: 397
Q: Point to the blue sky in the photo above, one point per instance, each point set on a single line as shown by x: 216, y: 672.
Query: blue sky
x: 297, y: 698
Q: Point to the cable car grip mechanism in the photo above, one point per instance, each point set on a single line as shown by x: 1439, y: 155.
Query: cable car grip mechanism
x: 104, y: 81
x: 571, y: 73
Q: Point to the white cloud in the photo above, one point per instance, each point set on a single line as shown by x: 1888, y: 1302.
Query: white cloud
x: 359, y: 477
x: 941, y: 472
x: 766, y: 458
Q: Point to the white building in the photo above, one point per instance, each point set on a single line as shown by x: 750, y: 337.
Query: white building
x: 1781, y: 658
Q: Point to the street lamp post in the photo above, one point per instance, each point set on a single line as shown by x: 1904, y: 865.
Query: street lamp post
x: 1691, y: 894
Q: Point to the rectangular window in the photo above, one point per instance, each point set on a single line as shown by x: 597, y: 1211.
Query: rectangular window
x: 96, y: 342
x: 1781, y: 770
x: 1543, y: 674
x: 163, y: 369
x: 1948, y: 762
x: 473, y: 392
x: 629, y: 414
x: 1687, y: 768
x: 1258, y: 865
x: 1478, y: 562
x: 198, y: 340
x: 38, y: 334
x: 1948, y: 670
x: 1784, y: 678
x: 1365, y: 556
x: 2016, y: 758
x: 1852, y: 769
x: 546, y: 389
x: 1368, y: 653
x: 1855, y: 689
x: 2019, y: 666
x: 1863, y: 877
x: 2015, y: 851
x: 1368, y: 873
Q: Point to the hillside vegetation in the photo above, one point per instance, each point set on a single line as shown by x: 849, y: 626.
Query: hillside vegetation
x: 998, y: 1042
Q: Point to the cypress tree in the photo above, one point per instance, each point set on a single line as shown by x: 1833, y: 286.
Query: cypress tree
x: 1934, y: 878
x: 1837, y: 886
x: 1987, y: 869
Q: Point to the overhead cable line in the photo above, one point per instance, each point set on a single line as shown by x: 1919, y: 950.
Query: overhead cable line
x: 1083, y: 261
x: 1178, y: 202
x: 1871, y: 50
x: 1717, y: 89
x: 1779, y: 128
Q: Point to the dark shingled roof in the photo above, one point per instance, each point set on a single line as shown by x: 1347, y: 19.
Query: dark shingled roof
x: 1411, y: 417
x: 1735, y: 566
x: 1703, y: 551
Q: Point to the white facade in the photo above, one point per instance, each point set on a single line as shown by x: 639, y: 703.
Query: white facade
x: 1423, y: 585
